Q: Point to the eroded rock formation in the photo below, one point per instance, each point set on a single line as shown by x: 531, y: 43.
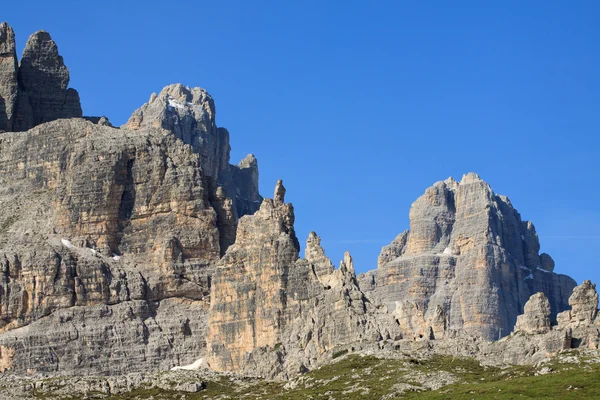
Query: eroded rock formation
x: 9, y: 69
x: 536, y: 316
x: 142, y: 248
x: 273, y: 313
x: 191, y: 115
x: 468, y: 256
x: 36, y: 90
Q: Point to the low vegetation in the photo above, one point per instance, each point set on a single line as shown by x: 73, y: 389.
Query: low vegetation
x: 569, y: 376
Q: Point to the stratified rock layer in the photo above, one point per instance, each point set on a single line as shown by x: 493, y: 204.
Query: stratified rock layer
x: 190, y: 114
x: 36, y: 91
x: 143, y: 248
x: 43, y: 80
x: 8, y: 76
x: 275, y: 314
x: 99, y: 228
x: 536, y: 316
x: 468, y: 256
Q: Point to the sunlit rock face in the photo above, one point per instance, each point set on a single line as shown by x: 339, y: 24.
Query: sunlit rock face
x: 536, y: 315
x: 468, y: 255
x: 142, y: 248
x: 274, y: 314
x: 191, y: 115
x: 106, y: 249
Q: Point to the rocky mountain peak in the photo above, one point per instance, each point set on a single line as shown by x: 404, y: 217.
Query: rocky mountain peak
x: 189, y: 113
x: 470, y: 177
x: 279, y: 195
x: 465, y: 235
x: 36, y: 91
x: 248, y: 162
x: 8, y: 77
x: 315, y: 254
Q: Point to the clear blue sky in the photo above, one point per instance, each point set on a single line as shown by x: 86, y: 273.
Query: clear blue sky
x: 359, y: 106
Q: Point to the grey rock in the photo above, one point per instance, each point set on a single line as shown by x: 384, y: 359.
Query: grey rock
x: 8, y: 77
x: 276, y: 315
x: 314, y: 254
x: 99, y: 120
x: 584, y: 302
x: 190, y: 114
x: 115, y: 276
x: 536, y: 317
x: 43, y: 80
x: 393, y: 250
x: 546, y: 262
x: 469, y: 253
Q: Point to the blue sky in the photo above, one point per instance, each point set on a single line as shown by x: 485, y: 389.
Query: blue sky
x: 360, y: 106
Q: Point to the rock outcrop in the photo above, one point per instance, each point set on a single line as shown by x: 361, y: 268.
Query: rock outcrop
x: 107, y: 239
x: 142, y: 248
x: 536, y: 318
x: 190, y: 114
x: 36, y: 90
x: 468, y: 254
x: 9, y: 69
x: 274, y: 314
x: 584, y: 306
x: 534, y: 339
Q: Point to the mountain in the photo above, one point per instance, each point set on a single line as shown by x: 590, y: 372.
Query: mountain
x: 141, y: 248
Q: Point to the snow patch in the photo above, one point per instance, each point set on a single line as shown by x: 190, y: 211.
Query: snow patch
x: 173, y: 103
x: 524, y: 267
x: 543, y: 270
x: 116, y: 257
x: 67, y: 244
x: 530, y: 276
x: 522, y: 237
x: 195, y: 366
x: 94, y: 252
x: 447, y: 251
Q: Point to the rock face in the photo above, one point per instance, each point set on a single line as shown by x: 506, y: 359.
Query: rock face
x: 584, y: 306
x: 534, y: 339
x: 536, y: 318
x: 108, y: 237
x: 190, y: 114
x: 468, y: 256
x: 36, y: 91
x: 274, y: 314
x: 43, y: 81
x: 8, y: 76
x: 142, y: 248
x: 114, y: 276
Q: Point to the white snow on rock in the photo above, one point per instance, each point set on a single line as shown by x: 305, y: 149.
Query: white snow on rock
x: 93, y: 251
x: 116, y: 257
x: 447, y: 251
x: 524, y: 267
x: 543, y: 270
x: 195, y: 366
x: 67, y: 243
x: 175, y: 104
x: 530, y: 276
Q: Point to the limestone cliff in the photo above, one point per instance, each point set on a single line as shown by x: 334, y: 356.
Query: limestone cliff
x: 35, y: 90
x: 468, y: 263
x: 275, y: 314
x: 191, y: 115
x: 99, y: 228
x: 142, y: 248
x: 9, y: 69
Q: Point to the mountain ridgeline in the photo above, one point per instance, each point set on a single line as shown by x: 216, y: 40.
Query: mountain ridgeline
x: 142, y: 248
